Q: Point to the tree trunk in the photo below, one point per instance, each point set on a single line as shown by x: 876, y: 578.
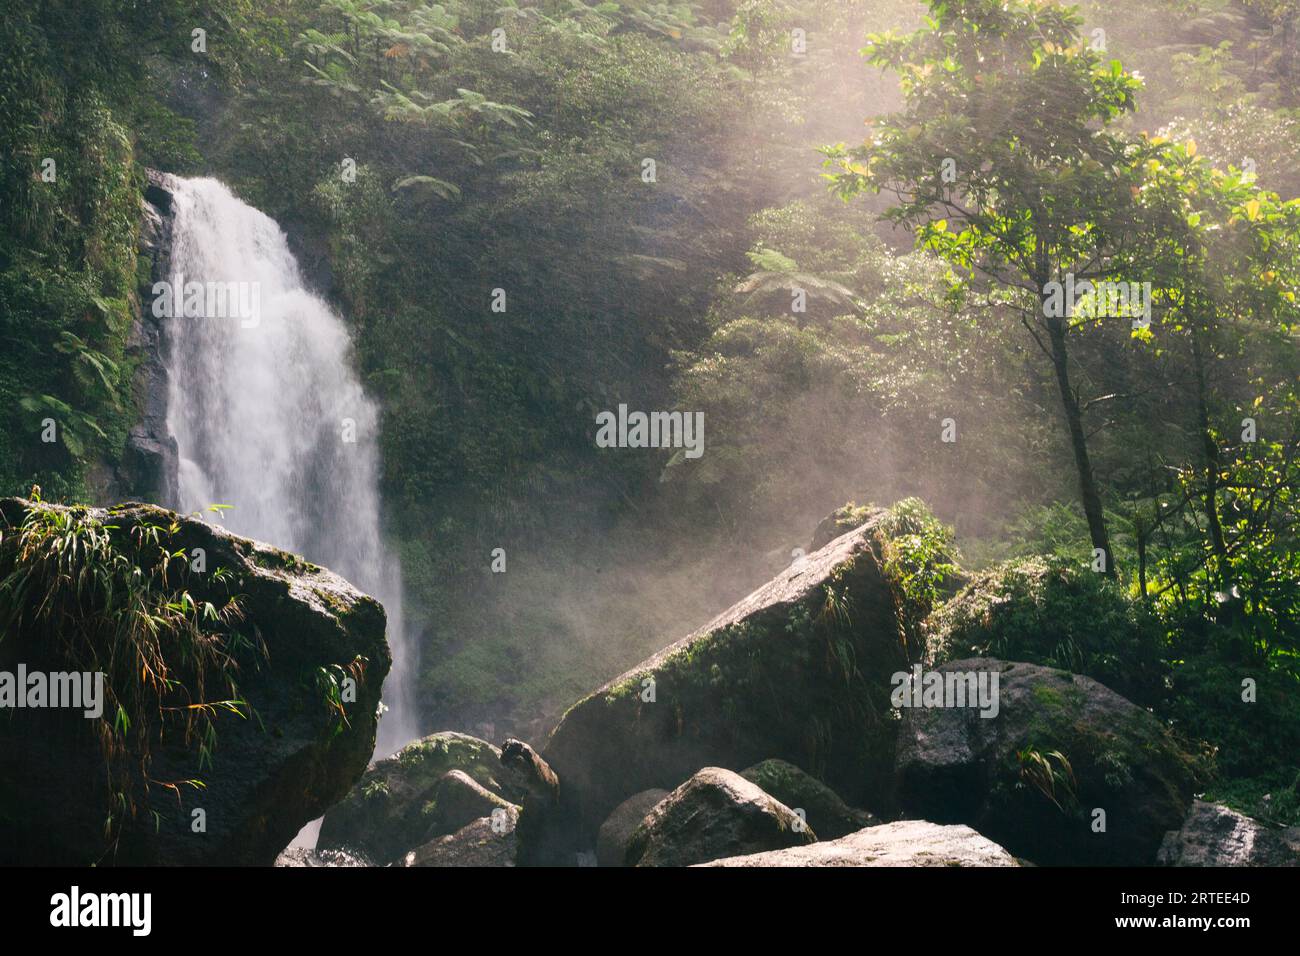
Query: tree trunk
x: 1091, y: 498
x: 1142, y: 562
x: 1210, y: 448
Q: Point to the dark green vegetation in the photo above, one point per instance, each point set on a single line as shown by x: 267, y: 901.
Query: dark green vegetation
x: 522, y: 169
x: 1060, y: 615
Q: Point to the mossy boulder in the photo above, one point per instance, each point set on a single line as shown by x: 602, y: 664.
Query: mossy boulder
x: 616, y: 832
x: 459, y: 800
x: 1033, y: 777
x: 823, y: 808
x: 395, y: 806
x: 1045, y: 612
x: 486, y: 842
x: 716, y: 813
x: 286, y: 635
x: 798, y: 670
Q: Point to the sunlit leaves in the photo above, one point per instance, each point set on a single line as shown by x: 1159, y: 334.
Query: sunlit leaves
x: 1007, y: 94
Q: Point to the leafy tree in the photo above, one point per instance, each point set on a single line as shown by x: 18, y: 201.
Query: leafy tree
x: 1002, y: 161
x: 1225, y: 255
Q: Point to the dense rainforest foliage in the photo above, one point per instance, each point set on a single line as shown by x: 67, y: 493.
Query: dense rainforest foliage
x: 530, y: 212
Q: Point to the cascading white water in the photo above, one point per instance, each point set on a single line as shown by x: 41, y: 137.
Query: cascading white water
x: 269, y: 416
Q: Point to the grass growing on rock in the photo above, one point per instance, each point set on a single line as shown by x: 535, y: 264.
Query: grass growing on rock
x: 99, y: 598
x: 919, y: 556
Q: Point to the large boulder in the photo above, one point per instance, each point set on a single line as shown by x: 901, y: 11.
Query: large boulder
x: 1214, y: 835
x: 906, y: 843
x: 822, y: 807
x: 1034, y: 774
x: 488, y: 841
x: 714, y: 814
x: 459, y: 800
x: 616, y: 832
x: 235, y: 625
x: 395, y: 806
x: 798, y: 670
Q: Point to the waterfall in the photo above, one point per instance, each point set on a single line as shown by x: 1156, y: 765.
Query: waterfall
x: 269, y: 415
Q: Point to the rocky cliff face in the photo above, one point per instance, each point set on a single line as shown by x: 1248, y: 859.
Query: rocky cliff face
x: 147, y: 470
x: 306, y: 660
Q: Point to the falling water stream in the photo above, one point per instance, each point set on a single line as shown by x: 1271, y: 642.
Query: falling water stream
x: 270, y: 418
